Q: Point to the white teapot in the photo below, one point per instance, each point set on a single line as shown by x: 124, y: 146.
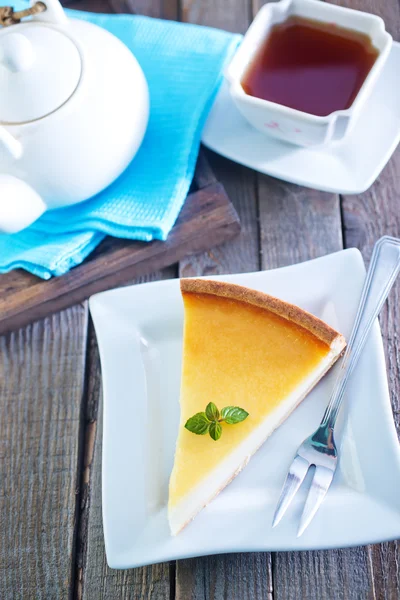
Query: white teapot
x: 74, y: 108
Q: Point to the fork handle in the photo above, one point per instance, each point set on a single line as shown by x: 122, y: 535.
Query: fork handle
x: 383, y: 270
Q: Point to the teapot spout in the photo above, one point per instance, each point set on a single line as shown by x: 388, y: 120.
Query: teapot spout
x: 20, y: 205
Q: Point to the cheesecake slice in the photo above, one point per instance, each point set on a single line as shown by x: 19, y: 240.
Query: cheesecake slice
x: 241, y: 348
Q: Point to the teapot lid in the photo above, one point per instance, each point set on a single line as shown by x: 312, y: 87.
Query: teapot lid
x: 40, y: 68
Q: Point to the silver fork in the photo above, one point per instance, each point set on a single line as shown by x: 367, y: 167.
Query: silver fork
x: 319, y: 449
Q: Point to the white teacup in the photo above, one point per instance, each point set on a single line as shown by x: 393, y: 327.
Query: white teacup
x: 292, y: 125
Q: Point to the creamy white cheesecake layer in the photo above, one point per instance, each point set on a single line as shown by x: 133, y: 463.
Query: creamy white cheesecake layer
x: 187, y: 508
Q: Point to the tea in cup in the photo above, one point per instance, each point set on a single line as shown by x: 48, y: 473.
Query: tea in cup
x: 305, y: 69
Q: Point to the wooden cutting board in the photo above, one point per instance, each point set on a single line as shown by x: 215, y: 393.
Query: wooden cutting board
x: 206, y: 220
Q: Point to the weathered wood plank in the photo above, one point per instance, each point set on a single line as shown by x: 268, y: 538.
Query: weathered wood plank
x: 41, y: 387
x: 242, y: 253
x: 229, y: 576
x: 328, y: 575
x: 388, y: 10
x: 296, y: 223
x: 236, y: 576
x: 159, y: 9
x: 230, y: 15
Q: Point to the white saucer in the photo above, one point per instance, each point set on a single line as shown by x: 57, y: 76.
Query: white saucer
x: 348, y: 167
x: 140, y: 341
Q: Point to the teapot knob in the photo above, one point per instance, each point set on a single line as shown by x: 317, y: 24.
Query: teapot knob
x: 54, y: 13
x: 16, y: 52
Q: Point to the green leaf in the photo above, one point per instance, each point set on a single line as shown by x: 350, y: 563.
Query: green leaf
x: 210, y: 420
x: 215, y: 430
x: 212, y: 412
x: 233, y: 414
x: 198, y: 424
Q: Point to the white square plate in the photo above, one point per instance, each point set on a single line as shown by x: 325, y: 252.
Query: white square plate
x: 139, y: 331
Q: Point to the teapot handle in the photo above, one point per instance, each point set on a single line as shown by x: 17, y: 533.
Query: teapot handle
x: 54, y: 13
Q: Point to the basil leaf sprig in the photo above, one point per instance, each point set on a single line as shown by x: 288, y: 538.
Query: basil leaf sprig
x: 210, y: 420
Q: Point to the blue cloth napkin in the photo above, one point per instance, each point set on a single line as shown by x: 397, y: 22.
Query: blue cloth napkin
x: 144, y: 202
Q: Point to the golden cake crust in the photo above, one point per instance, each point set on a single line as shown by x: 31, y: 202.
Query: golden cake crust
x: 284, y: 309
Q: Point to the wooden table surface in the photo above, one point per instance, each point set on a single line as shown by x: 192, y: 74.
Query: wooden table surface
x: 51, y: 537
